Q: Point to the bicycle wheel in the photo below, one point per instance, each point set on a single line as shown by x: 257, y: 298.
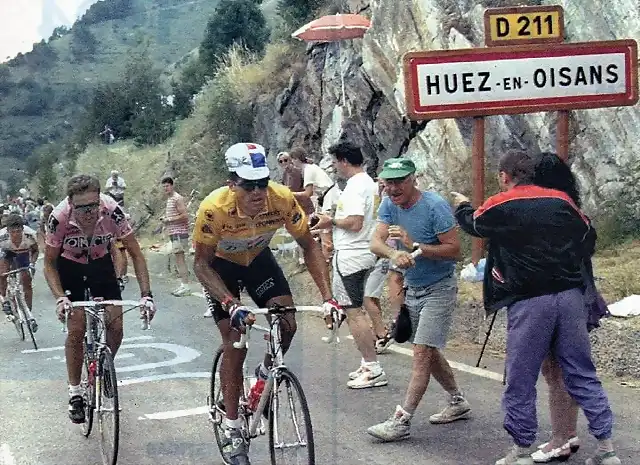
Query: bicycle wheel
x: 25, y: 316
x: 217, y: 409
x: 108, y: 416
x: 286, y: 388
x: 17, y: 319
x: 88, y: 384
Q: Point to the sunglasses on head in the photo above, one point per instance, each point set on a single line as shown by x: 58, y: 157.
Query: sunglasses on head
x: 253, y: 185
x: 87, y: 208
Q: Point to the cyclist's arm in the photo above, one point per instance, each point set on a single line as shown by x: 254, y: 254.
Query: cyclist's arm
x: 51, y: 255
x: 208, y: 277
x: 132, y: 246
x: 34, y: 251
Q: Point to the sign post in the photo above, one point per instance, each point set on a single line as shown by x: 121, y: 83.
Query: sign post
x: 538, y: 73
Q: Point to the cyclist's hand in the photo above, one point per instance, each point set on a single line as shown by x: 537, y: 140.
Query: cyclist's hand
x: 241, y: 316
x: 62, y: 305
x: 148, y: 306
x: 121, y: 284
x: 332, y: 311
x: 32, y: 269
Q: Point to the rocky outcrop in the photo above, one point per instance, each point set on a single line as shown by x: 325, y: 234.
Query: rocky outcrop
x: 311, y: 110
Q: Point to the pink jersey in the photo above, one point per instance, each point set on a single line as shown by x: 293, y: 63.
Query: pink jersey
x: 63, y: 232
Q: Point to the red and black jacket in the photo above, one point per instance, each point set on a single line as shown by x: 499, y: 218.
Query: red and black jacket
x: 538, y: 241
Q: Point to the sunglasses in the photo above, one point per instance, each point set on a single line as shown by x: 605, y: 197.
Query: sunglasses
x: 253, y: 185
x: 87, y: 208
x: 283, y: 160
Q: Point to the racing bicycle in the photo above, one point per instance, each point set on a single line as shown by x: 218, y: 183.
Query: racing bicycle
x: 280, y: 391
x: 99, y: 382
x: 22, y: 317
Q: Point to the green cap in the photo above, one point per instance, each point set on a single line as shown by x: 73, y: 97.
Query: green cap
x: 397, y: 168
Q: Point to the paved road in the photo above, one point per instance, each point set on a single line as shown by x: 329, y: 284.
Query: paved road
x: 164, y: 374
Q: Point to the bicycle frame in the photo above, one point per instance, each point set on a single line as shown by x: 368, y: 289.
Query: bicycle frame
x: 15, y: 290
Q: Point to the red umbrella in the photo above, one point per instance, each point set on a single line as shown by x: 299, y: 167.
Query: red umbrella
x: 334, y: 28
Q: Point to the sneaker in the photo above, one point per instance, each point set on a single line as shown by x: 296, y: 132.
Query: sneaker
x: 6, y: 308
x: 371, y: 376
x: 560, y: 454
x: 458, y: 409
x: 516, y: 457
x: 573, y: 443
x: 235, y: 449
x: 34, y: 325
x: 208, y: 314
x: 355, y: 374
x: 603, y: 458
x: 383, y: 343
x: 182, y: 291
x: 395, y: 428
x: 76, y: 409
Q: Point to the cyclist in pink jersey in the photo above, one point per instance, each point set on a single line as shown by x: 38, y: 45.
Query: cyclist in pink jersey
x: 77, y: 257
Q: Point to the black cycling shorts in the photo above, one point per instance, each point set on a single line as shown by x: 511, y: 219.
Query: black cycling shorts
x: 100, y: 275
x: 263, y: 279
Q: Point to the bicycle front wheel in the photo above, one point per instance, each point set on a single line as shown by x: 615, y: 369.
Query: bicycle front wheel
x: 88, y: 384
x: 290, y: 429
x: 108, y: 408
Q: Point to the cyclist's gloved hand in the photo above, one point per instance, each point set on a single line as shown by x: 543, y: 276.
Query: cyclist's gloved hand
x: 240, y: 316
x: 147, y: 305
x: 62, y: 304
x: 32, y: 269
x: 332, y: 309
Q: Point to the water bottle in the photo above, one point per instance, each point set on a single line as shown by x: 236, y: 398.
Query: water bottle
x: 254, y: 394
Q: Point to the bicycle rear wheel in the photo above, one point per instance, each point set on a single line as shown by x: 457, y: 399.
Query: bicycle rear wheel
x: 17, y: 318
x: 286, y: 388
x: 108, y: 417
x: 25, y: 317
x: 88, y: 384
x: 217, y: 408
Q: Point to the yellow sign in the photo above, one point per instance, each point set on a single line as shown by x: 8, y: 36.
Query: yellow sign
x: 524, y: 25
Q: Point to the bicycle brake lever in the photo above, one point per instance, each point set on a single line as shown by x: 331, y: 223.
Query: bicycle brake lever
x: 243, y: 343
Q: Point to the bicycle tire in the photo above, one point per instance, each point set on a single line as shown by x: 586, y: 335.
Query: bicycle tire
x: 216, y: 416
x: 89, y: 385
x: 17, y: 320
x: 106, y: 365
x: 22, y: 305
x: 284, y: 375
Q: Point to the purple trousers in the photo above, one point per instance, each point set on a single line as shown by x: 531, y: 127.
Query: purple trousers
x: 555, y: 323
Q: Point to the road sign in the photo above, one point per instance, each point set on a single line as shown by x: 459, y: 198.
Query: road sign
x: 524, y: 25
x: 520, y: 79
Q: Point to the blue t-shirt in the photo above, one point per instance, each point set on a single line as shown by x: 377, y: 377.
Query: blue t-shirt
x: 428, y: 217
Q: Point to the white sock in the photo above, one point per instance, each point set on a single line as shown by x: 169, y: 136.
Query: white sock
x: 235, y: 424
x: 75, y: 390
x: 374, y: 367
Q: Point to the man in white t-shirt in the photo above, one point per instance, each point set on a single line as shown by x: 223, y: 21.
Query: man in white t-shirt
x: 115, y: 187
x: 353, y: 225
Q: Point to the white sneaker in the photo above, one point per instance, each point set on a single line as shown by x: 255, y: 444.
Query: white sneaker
x: 355, y: 374
x: 395, y: 428
x: 182, y: 291
x: 208, y: 313
x: 458, y: 409
x: 372, y: 375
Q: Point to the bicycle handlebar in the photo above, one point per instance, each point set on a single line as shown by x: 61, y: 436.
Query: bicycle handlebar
x: 92, y: 307
x: 243, y: 343
x: 19, y: 270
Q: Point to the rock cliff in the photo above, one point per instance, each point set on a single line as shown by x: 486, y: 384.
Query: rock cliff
x: 310, y: 111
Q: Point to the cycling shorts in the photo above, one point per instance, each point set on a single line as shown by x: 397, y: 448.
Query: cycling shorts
x: 263, y: 279
x: 17, y: 259
x: 100, y: 277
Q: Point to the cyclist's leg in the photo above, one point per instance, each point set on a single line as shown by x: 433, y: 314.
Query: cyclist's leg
x: 71, y: 275
x: 4, y: 267
x: 102, y: 281
x: 22, y: 261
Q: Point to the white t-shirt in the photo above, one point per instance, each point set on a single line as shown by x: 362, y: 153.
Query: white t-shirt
x: 315, y: 175
x: 357, y: 198
x: 118, y: 189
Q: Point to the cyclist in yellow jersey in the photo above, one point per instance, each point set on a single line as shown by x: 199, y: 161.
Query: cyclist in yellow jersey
x: 234, y: 226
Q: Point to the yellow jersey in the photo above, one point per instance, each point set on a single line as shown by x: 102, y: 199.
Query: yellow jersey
x: 239, y: 238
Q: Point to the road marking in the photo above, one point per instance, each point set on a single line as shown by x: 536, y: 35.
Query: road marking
x: 6, y: 457
x: 53, y: 349
x: 457, y: 365
x: 175, y: 413
x: 160, y: 377
x: 183, y: 355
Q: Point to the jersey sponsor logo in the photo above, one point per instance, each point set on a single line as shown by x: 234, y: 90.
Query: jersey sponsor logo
x: 297, y: 216
x: 243, y: 245
x: 206, y: 229
x: 265, y: 286
x: 118, y: 216
x: 208, y: 214
x: 52, y: 224
x: 82, y: 242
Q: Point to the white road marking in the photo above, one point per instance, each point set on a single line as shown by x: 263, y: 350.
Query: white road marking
x: 6, y: 457
x: 456, y: 365
x: 183, y: 355
x: 160, y: 377
x: 53, y: 349
x: 175, y: 413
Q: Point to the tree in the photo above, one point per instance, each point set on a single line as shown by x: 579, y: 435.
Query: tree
x: 47, y: 179
x: 297, y: 12
x: 191, y: 80
x: 235, y: 21
x: 83, y: 43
